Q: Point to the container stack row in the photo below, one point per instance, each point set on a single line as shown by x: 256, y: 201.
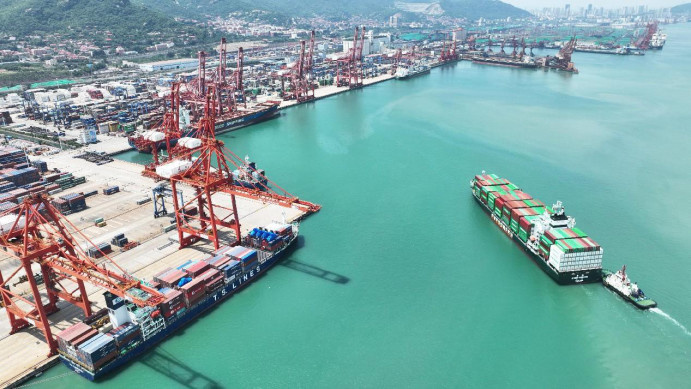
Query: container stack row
x: 567, y: 249
x: 99, y: 250
x: 87, y: 345
x: 70, y: 203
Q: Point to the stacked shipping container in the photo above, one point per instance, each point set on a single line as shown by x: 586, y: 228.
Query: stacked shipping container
x: 566, y: 249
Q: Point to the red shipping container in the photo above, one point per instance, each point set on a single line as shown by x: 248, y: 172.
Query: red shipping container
x: 196, y: 269
x: 515, y: 214
x: 214, y: 283
x: 172, y: 278
x: 515, y: 204
x: 524, y: 223
x: 209, y: 274
x: 499, y: 202
x: 90, y: 334
x: 193, y: 288
x: 73, y: 332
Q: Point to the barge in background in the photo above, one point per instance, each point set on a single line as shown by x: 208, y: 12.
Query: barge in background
x: 546, y: 234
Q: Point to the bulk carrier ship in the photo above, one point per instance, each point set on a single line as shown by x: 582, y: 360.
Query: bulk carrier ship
x: 546, y: 234
x: 116, y: 335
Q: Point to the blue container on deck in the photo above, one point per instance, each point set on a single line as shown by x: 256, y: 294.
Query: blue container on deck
x: 96, y: 349
x: 231, y: 269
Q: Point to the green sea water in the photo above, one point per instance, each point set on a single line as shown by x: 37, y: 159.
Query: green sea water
x: 432, y: 293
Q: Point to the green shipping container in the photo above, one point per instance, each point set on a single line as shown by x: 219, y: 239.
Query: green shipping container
x: 514, y: 226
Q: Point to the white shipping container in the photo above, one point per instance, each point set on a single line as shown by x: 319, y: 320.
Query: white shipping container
x: 575, y: 260
x: 156, y: 136
x: 190, y: 143
x: 7, y: 221
x: 172, y: 168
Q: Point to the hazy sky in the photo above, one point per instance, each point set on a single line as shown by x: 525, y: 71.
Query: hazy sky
x: 533, y: 4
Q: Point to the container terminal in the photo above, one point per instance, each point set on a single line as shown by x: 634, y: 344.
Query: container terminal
x: 114, y: 214
x: 63, y: 250
x: 259, y: 82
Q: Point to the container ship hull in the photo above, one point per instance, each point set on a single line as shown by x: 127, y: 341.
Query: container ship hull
x: 414, y: 74
x: 504, y: 62
x: 208, y: 302
x: 562, y: 278
x: 222, y: 126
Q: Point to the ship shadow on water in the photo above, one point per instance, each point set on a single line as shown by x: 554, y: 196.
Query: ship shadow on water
x: 292, y: 263
x: 311, y: 269
x: 315, y: 271
x: 167, y: 365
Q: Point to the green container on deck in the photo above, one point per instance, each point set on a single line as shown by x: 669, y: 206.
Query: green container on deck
x: 579, y: 232
x: 533, y: 203
x: 522, y: 234
x: 514, y: 226
x: 539, y: 210
x: 544, y: 239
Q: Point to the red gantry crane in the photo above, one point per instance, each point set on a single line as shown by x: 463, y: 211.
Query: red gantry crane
x: 449, y: 53
x: 349, y: 67
x: 396, y: 61
x: 36, y: 234
x: 209, y: 174
x: 169, y: 129
x: 643, y: 42
x: 300, y: 77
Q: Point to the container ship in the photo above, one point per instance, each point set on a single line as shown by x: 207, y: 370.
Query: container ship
x: 224, y: 123
x: 406, y: 72
x: 658, y: 40
x: 496, y: 60
x: 119, y: 333
x: 546, y: 234
x: 609, y: 50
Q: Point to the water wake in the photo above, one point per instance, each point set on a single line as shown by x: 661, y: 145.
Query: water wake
x: 670, y: 318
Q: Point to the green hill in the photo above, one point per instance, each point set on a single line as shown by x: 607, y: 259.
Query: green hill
x: 78, y: 17
x: 472, y: 9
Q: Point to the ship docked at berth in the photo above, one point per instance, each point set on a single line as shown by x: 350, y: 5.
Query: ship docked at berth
x: 92, y: 350
x: 526, y: 62
x: 546, y: 234
x: 658, y: 40
x: 225, y: 123
x: 410, y: 71
x: 620, y: 283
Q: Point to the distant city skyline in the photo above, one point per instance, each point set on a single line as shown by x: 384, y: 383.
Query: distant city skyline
x: 539, y: 4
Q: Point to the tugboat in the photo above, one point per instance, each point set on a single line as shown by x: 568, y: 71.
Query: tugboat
x: 629, y: 291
